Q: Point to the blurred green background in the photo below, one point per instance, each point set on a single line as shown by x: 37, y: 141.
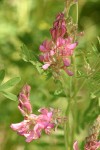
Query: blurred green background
x: 28, y: 22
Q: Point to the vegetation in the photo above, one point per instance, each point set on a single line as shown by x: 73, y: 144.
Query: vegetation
x: 24, y: 24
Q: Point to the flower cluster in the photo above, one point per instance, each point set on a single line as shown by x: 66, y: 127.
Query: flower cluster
x: 56, y: 53
x: 33, y: 125
x: 92, y: 145
x: 92, y: 142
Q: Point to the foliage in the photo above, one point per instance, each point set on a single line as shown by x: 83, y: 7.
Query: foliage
x: 28, y: 22
x: 10, y: 83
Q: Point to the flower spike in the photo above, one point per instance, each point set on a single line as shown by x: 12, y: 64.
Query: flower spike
x: 33, y: 125
x: 56, y: 53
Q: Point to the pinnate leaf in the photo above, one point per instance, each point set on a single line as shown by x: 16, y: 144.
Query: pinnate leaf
x: 10, y: 96
x: 9, y: 83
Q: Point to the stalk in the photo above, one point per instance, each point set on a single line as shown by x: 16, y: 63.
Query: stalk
x: 74, y: 105
x: 71, y: 109
x: 67, y: 129
x: 77, y: 12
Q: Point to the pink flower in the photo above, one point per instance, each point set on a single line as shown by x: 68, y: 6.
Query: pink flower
x: 24, y: 102
x: 70, y: 73
x: 46, y: 45
x: 92, y: 145
x: 66, y: 46
x: 45, y: 67
x: 75, y: 146
x: 59, y: 27
x: 56, y: 53
x: 66, y: 62
x: 33, y: 125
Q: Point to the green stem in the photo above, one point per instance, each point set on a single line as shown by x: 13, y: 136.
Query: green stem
x: 65, y: 136
x: 74, y: 106
x: 66, y: 126
x: 75, y: 94
x: 69, y: 129
x: 67, y: 113
x: 77, y: 13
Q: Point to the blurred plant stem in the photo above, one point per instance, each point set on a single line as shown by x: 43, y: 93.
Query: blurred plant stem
x: 71, y: 111
x: 77, y: 12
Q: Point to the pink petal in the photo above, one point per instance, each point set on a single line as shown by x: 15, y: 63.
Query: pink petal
x: 38, y: 126
x: 42, y: 48
x: 46, y: 57
x: 45, y: 67
x: 31, y: 137
x: 75, y: 146
x: 72, y: 46
x: 43, y: 110
x: 60, y: 16
x: 41, y: 58
x: 55, y: 24
x: 25, y: 106
x: 62, y: 31
x: 26, y: 90
x: 53, y: 33
x: 66, y: 62
x: 37, y: 129
x: 98, y: 144
x: 16, y: 126
x: 42, y: 118
x: 48, y: 45
x: 23, y: 98
x: 60, y: 42
x: 52, y: 53
x: 49, y: 127
x: 69, y: 72
x: 24, y: 102
x: 28, y: 107
x: 49, y: 114
x: 92, y: 145
x: 33, y: 116
x: 69, y: 40
x: 19, y: 126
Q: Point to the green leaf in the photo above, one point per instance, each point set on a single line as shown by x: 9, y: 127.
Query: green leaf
x: 94, y: 48
x: 10, y: 96
x: 10, y: 83
x: 2, y: 74
x: 48, y: 75
x: 27, y: 54
x: 98, y: 39
x: 30, y: 56
x: 39, y: 68
x: 86, y: 117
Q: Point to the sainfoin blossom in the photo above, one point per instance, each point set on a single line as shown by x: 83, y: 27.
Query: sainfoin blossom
x: 92, y: 145
x: 33, y: 125
x: 56, y: 52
